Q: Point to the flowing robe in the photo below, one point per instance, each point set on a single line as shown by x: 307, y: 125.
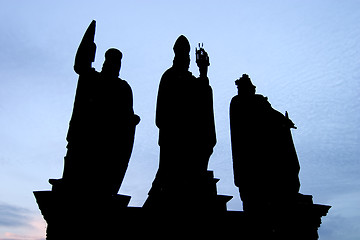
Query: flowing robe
x: 185, y: 118
x: 265, y: 163
x: 101, y: 133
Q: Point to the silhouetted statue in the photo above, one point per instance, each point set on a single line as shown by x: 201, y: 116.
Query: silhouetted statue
x: 266, y: 169
x: 102, y: 127
x: 185, y: 118
x: 265, y: 163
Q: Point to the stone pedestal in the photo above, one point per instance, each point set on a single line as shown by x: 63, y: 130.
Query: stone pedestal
x: 72, y: 215
x: 78, y: 216
x: 201, y: 195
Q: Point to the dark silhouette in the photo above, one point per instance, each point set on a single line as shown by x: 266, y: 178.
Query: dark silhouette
x: 185, y: 118
x: 265, y: 163
x: 266, y: 167
x: 102, y: 127
x: 84, y: 203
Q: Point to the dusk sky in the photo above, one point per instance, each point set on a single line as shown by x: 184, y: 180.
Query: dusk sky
x: 304, y: 55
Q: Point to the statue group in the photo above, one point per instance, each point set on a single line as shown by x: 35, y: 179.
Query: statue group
x: 102, y: 129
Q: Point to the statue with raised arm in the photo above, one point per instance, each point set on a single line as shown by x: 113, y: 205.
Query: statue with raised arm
x: 185, y: 118
x: 102, y: 127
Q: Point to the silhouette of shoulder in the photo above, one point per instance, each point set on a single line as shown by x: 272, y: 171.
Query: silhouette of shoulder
x: 126, y: 88
x: 260, y: 97
x: 173, y: 73
x: 256, y: 98
x: 124, y: 84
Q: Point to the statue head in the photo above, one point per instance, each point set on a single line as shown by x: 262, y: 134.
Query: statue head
x: 112, y: 63
x: 245, y: 86
x: 182, y: 49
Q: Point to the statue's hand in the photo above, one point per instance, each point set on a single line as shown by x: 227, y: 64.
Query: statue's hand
x: 85, y: 54
x: 290, y: 123
x: 202, y: 60
x: 136, y: 119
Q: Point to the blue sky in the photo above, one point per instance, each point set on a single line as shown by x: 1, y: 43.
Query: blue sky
x: 303, y: 55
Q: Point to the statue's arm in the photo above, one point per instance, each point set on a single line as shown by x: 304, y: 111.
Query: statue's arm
x: 85, y: 54
x: 162, y: 101
x: 135, y: 119
x: 202, y: 61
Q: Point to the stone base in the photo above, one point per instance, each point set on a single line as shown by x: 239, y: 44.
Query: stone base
x: 86, y: 217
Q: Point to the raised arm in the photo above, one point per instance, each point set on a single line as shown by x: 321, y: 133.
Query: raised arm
x: 202, y: 61
x: 85, y: 54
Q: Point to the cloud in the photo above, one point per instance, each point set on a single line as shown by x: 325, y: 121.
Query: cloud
x: 20, y: 223
x: 13, y: 216
x: 13, y: 236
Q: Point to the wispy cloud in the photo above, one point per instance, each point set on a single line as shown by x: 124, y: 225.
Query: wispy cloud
x: 13, y: 216
x: 13, y: 236
x: 20, y: 223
